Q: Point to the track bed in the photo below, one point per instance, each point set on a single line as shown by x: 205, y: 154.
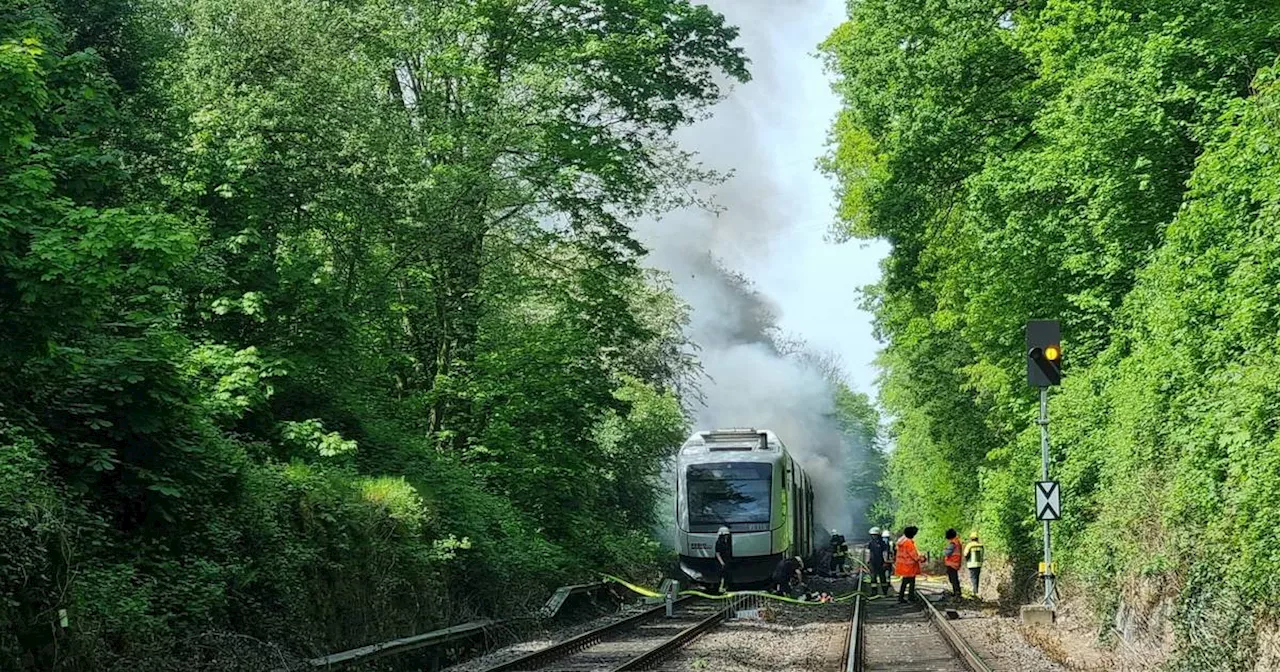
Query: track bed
x: 626, y: 647
x: 903, y: 638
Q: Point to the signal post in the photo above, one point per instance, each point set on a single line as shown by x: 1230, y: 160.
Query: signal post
x: 1044, y: 370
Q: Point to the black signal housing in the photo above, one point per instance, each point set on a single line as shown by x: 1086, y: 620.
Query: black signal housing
x: 1044, y: 353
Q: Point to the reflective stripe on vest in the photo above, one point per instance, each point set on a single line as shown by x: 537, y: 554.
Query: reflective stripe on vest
x: 953, y: 559
x: 974, y: 553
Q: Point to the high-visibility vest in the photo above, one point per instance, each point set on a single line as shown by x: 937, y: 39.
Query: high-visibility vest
x: 974, y: 553
x: 952, y: 559
x: 908, y: 560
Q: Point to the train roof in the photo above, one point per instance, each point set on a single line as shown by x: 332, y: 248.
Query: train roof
x: 735, y: 439
x: 737, y: 445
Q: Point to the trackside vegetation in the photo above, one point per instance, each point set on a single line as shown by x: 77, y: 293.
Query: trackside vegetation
x: 1113, y: 164
x: 320, y: 322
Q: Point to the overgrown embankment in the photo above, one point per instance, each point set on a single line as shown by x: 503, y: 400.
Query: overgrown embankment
x: 1113, y: 165
x: 320, y: 321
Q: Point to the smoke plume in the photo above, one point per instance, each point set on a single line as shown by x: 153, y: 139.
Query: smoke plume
x: 769, y: 132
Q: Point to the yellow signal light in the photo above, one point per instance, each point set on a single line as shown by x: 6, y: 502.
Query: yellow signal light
x: 1052, y: 353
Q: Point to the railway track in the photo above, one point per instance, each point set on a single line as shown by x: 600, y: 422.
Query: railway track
x: 885, y: 635
x: 639, y: 642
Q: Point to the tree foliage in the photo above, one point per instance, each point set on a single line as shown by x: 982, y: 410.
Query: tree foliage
x: 322, y: 322
x: 1106, y: 163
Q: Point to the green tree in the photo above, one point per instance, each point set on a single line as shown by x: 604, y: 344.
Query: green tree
x: 316, y: 313
x: 1034, y: 160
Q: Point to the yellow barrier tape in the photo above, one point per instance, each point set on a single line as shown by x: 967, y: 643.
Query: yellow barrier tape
x: 638, y: 589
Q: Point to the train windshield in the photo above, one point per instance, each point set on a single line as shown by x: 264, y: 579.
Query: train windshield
x: 729, y: 493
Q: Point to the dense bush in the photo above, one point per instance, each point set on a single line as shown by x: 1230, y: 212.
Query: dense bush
x: 321, y: 323
x: 1110, y: 164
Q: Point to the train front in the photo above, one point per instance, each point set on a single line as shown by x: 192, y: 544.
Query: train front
x: 733, y: 479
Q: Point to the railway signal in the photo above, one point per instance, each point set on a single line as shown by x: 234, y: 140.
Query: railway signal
x: 1044, y: 353
x: 1044, y: 370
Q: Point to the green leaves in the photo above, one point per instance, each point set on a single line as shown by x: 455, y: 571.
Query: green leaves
x: 1100, y: 162
x: 299, y: 297
x: 235, y: 382
x: 310, y: 438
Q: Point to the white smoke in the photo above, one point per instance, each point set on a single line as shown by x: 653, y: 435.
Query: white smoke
x: 769, y: 132
x: 756, y: 387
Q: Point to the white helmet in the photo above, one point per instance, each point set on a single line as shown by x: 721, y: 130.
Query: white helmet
x: 875, y: 532
x: 885, y: 533
x: 834, y: 532
x: 723, y: 531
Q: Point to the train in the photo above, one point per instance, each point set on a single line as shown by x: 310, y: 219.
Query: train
x: 746, y: 480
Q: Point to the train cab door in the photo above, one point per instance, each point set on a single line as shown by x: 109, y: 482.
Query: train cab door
x: 787, y: 500
x: 810, y: 519
x: 797, y: 508
x: 797, y: 522
x: 803, y: 543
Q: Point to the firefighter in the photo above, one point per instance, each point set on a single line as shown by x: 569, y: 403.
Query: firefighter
x: 951, y: 556
x: 887, y: 538
x: 724, y: 556
x: 839, y: 553
x: 973, y: 558
x: 785, y: 573
x: 907, y: 564
x: 877, y: 552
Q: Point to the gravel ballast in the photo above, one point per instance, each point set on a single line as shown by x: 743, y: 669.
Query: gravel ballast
x: 545, y: 639
x: 998, y: 641
x: 797, y: 638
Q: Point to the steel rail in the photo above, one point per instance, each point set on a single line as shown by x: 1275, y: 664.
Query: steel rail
x: 663, y: 650
x: 967, y: 655
x: 851, y: 661
x: 547, y: 655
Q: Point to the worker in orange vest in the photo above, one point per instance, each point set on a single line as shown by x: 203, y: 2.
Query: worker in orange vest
x: 951, y: 557
x: 907, y: 564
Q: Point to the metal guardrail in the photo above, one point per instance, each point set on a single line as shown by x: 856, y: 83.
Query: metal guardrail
x: 957, y: 643
x: 372, y: 652
x: 557, y: 599
x: 568, y: 647
x: 651, y: 658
